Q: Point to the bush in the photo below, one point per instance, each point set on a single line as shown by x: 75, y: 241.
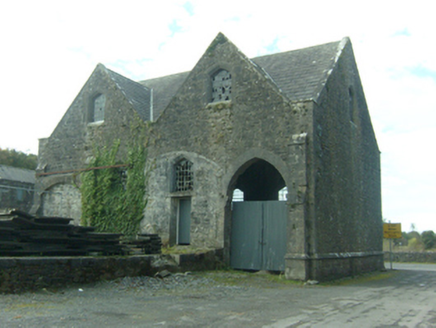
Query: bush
x: 428, y: 239
x: 415, y: 244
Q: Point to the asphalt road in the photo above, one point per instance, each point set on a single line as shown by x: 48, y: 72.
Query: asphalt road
x: 404, y: 297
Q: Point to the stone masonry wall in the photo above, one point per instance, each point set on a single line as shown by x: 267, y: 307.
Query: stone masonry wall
x: 257, y: 121
x: 75, y: 139
x: 419, y: 257
x: 62, y: 200
x: 346, y: 168
x: 33, y: 273
x: 206, y: 218
x: 19, y: 274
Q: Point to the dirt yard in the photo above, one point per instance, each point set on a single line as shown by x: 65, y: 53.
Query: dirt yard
x: 405, y: 297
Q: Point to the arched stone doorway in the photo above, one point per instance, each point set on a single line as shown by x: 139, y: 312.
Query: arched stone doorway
x: 258, y: 227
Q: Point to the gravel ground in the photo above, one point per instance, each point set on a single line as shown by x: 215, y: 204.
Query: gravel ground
x: 405, y: 297
x: 130, y: 301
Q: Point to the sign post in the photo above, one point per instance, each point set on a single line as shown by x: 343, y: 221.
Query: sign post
x: 391, y: 231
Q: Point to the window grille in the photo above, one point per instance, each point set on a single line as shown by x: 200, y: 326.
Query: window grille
x: 184, y: 176
x: 221, y: 86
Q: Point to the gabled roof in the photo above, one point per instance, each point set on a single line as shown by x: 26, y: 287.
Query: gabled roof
x: 164, y: 89
x: 299, y: 74
x: 16, y: 174
x: 136, y: 93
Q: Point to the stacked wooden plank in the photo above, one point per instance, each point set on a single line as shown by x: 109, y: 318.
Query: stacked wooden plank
x: 23, y: 234
x: 146, y: 243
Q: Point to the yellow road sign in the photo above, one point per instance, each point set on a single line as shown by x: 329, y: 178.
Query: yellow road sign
x: 392, y: 230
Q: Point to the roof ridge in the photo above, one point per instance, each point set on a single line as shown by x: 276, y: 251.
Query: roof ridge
x: 300, y: 49
x: 254, y: 58
x: 124, y: 77
x: 136, y: 93
x: 162, y: 76
x: 298, y: 74
x: 17, y: 168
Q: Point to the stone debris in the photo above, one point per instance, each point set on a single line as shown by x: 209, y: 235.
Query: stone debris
x: 163, y: 274
x: 145, y: 244
x: 189, y: 285
x: 311, y: 282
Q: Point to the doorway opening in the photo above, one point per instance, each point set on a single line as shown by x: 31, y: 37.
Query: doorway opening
x: 259, y: 181
x: 258, y: 218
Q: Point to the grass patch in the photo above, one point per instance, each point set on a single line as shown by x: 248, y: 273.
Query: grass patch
x: 177, y: 249
x: 256, y: 279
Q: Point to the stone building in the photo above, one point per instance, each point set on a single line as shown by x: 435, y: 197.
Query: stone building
x: 295, y: 121
x: 16, y: 187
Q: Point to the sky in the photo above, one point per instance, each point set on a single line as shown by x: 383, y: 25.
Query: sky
x: 50, y: 48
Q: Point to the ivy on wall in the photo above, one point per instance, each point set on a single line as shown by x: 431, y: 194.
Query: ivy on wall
x: 113, y: 199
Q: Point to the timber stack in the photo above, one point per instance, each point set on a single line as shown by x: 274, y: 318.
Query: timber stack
x: 22, y: 234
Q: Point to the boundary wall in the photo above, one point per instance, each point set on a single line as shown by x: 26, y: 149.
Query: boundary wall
x: 20, y: 274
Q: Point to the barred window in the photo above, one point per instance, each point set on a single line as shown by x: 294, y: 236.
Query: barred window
x: 184, y: 176
x: 221, y: 86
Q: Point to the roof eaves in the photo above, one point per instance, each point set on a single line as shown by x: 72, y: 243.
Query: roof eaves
x: 342, y: 44
x: 268, y: 77
x: 141, y: 107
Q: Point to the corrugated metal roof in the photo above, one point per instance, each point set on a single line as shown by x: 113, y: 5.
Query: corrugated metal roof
x: 16, y: 174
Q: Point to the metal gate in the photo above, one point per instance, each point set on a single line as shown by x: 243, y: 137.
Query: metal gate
x: 258, y: 237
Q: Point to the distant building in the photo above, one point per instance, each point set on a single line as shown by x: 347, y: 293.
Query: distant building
x: 290, y: 131
x: 16, y: 188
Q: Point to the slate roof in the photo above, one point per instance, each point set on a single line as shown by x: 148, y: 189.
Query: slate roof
x: 299, y: 74
x: 16, y: 174
x: 164, y: 89
x: 135, y: 93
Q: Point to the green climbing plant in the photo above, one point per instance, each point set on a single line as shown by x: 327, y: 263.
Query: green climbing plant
x: 113, y: 199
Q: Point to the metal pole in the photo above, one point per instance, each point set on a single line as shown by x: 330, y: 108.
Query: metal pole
x: 390, y: 249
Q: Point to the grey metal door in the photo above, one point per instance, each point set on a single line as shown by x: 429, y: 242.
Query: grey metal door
x: 258, y: 237
x: 184, y: 222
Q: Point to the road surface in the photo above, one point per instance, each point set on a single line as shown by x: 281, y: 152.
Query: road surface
x: 404, y: 297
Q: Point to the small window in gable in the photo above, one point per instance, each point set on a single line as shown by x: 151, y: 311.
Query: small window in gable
x: 221, y: 86
x: 351, y: 104
x: 184, y: 176
x: 98, y: 108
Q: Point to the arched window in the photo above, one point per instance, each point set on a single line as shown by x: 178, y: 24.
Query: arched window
x: 221, y: 86
x: 184, y: 177
x: 98, y: 108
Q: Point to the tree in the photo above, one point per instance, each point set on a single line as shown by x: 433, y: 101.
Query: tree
x: 428, y: 239
x: 412, y: 227
x: 14, y: 158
